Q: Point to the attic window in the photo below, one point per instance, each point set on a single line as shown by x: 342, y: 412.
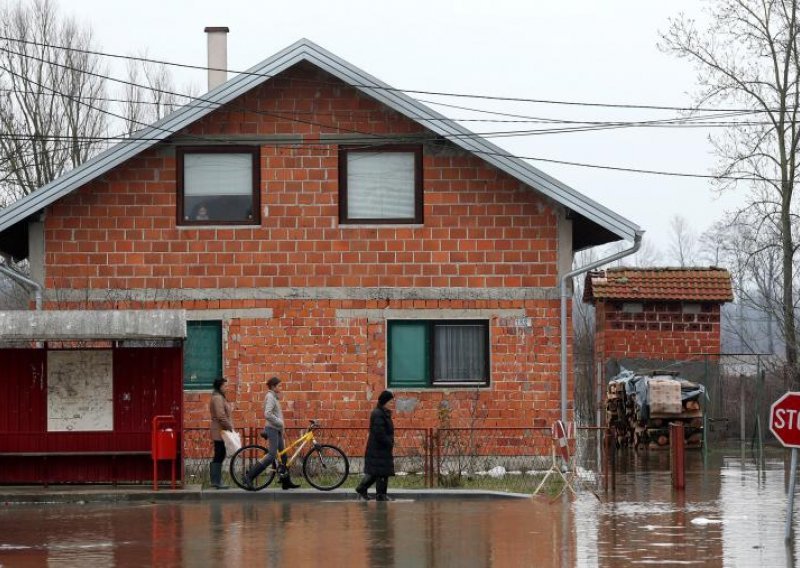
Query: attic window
x: 380, y: 185
x: 691, y: 308
x: 218, y: 185
x: 632, y: 307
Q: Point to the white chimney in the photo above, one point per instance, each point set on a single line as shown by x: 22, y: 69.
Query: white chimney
x: 217, y: 56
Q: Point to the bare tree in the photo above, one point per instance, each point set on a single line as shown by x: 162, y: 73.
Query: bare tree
x: 747, y: 57
x: 149, y: 93
x: 747, y: 243
x: 683, y: 242
x: 48, y: 128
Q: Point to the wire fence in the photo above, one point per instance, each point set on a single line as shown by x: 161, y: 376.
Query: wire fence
x: 508, y: 459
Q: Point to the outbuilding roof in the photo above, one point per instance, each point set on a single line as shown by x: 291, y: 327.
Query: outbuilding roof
x: 710, y: 284
x: 593, y: 223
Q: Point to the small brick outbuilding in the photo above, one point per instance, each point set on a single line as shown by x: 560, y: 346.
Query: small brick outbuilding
x: 653, y: 316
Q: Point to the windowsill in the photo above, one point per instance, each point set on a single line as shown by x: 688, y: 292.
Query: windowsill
x: 202, y: 227
x: 381, y: 226
x: 443, y: 386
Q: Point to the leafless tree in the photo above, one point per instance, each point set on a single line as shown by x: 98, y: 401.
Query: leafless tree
x: 682, y: 248
x: 747, y: 57
x: 747, y: 243
x: 47, y: 125
x: 148, y: 94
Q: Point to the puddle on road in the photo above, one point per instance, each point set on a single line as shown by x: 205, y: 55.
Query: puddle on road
x: 731, y: 514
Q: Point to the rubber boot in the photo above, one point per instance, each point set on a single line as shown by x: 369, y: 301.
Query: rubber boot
x: 254, y: 472
x: 286, y: 479
x: 364, y: 486
x: 215, y: 473
x: 381, y: 485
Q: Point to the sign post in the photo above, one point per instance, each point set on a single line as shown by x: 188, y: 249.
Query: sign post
x: 784, y: 423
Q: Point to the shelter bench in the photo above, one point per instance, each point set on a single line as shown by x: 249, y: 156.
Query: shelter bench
x: 113, y: 454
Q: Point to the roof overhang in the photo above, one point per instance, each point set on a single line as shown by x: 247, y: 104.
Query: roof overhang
x: 598, y: 224
x: 91, y: 325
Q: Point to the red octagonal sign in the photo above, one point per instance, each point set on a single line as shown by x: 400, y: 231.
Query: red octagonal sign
x: 784, y: 419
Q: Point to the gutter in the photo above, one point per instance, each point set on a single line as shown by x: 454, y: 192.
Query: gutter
x: 5, y: 268
x: 637, y: 243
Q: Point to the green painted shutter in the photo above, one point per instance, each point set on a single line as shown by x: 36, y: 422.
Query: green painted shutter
x: 408, y: 354
x: 202, y: 354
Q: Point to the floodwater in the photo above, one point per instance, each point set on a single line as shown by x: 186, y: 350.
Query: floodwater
x: 731, y: 514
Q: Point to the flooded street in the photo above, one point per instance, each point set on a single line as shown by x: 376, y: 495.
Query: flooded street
x: 730, y: 515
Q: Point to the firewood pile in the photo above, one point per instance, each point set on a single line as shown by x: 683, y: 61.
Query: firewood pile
x: 640, y: 408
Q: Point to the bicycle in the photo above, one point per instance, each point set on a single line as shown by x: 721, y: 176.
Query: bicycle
x: 325, y: 466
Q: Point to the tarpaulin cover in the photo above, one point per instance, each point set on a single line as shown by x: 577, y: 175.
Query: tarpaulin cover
x: 640, y: 385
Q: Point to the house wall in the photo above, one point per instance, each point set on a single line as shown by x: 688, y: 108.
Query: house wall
x: 660, y: 332
x: 488, y: 248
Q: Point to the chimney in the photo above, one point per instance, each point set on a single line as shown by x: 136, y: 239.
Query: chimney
x: 217, y: 56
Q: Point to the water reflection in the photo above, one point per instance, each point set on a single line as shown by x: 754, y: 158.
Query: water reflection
x: 731, y: 514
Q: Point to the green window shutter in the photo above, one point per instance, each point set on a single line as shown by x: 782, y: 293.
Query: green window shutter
x: 408, y: 354
x: 202, y: 354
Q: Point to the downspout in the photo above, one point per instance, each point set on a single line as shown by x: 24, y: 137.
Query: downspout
x: 637, y: 242
x: 24, y: 281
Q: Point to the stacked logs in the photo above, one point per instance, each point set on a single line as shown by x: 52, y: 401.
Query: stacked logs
x: 640, y: 408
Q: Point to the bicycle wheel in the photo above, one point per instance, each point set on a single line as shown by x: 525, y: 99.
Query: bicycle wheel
x: 325, y: 467
x: 243, y: 460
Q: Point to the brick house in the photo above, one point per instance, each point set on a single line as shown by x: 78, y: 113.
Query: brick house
x: 318, y: 225
x: 650, y: 318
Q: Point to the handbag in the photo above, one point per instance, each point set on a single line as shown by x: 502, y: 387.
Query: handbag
x: 232, y: 440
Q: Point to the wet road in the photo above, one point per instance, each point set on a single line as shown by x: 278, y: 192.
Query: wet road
x: 731, y: 514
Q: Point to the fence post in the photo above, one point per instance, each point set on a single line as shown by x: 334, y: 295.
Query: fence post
x: 677, y: 461
x: 609, y: 448
x: 429, y: 458
x: 426, y: 457
x: 437, y: 457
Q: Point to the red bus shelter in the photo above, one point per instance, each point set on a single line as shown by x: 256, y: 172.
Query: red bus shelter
x: 80, y: 389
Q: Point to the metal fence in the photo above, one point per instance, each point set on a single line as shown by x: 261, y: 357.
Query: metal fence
x: 510, y: 459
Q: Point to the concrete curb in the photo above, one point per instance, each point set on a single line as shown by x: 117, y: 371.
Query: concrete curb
x: 195, y: 493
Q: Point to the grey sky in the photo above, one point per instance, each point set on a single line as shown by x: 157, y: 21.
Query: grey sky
x: 583, y: 50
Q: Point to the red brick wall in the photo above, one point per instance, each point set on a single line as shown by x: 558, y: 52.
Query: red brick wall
x: 660, y: 331
x: 482, y: 229
x: 333, y: 369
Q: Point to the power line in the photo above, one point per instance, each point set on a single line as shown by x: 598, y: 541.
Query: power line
x: 367, y: 135
x: 500, y: 134
x: 690, y: 122
x: 326, y: 146
x: 392, y: 89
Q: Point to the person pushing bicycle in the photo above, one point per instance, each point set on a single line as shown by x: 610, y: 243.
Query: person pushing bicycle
x: 273, y: 432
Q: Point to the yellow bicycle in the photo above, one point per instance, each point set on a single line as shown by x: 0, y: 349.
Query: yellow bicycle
x: 325, y: 466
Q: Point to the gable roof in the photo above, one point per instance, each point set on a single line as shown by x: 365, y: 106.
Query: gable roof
x: 672, y: 284
x: 600, y: 224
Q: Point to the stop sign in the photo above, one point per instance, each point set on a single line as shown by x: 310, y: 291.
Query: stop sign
x: 784, y: 419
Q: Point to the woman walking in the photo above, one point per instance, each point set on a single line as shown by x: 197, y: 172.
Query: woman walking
x: 378, y: 458
x: 273, y: 432
x: 220, y: 410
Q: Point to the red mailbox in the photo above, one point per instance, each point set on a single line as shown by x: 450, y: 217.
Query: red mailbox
x: 164, y: 445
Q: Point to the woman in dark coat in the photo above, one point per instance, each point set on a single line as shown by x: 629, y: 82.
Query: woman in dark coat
x: 378, y: 459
